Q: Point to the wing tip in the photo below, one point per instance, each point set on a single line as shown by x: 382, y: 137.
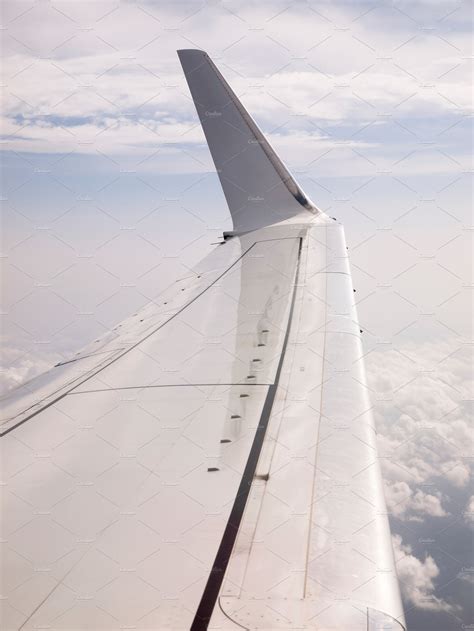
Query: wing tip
x: 191, y: 52
x: 215, y: 100
x: 191, y: 59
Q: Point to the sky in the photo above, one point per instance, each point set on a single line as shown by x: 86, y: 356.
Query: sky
x: 109, y: 194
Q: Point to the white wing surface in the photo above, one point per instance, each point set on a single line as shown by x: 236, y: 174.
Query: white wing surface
x: 211, y: 463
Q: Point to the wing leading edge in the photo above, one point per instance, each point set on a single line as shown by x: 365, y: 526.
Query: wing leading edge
x: 211, y: 464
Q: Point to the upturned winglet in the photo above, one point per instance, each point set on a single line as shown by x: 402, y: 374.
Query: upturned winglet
x: 258, y: 187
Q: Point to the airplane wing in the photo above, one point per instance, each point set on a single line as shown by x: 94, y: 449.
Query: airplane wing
x: 211, y: 463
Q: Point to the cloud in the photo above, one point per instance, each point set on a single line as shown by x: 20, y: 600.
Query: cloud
x: 405, y: 503
x: 469, y: 511
x: 467, y: 575
x: 114, y: 82
x: 423, y: 426
x: 20, y: 365
x: 417, y: 579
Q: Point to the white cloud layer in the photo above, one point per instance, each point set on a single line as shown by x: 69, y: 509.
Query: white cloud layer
x: 114, y: 83
x: 418, y: 579
x: 424, y: 427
